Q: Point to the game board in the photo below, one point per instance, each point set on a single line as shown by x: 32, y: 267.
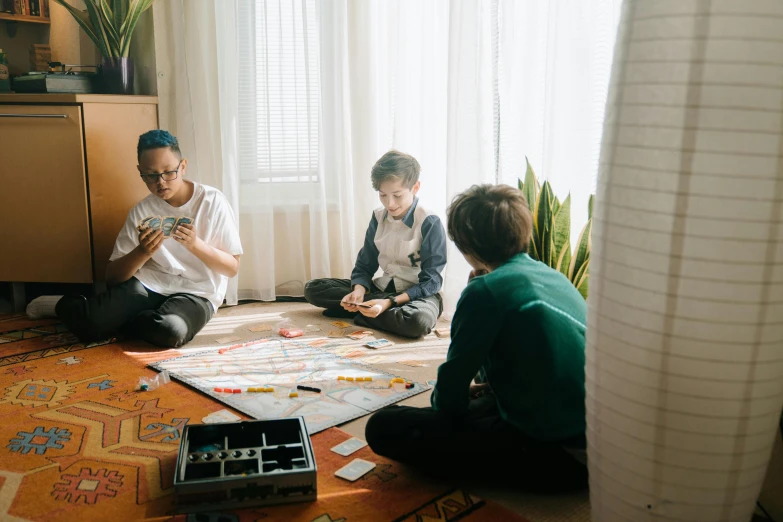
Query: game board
x: 284, y: 365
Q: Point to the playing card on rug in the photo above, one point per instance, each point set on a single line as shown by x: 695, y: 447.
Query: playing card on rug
x: 379, y: 343
x: 229, y: 339
x: 312, y: 328
x: 359, y: 334
x: 341, y: 324
x: 167, y: 225
x: 220, y: 416
x: 354, y: 470
x: 349, y: 446
x: 334, y: 333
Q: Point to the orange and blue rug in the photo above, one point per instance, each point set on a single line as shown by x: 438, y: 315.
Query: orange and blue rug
x: 79, y: 442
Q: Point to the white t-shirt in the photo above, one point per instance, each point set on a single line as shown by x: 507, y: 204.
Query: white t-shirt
x: 173, y: 269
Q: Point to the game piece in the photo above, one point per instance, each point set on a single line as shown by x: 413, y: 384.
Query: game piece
x: 218, y: 390
x: 349, y: 446
x: 334, y: 333
x: 293, y: 394
x: 355, y: 470
x: 308, y: 388
x: 408, y: 385
x: 252, y: 390
x: 397, y: 379
x: 183, y: 221
x: 268, y: 389
x: 261, y: 328
x: 144, y: 387
x: 227, y: 339
x: 368, y: 378
x: 379, y: 343
x: 442, y: 332
x: 236, y: 390
x: 340, y: 378
x: 359, y: 334
x: 341, y: 324
x: 349, y: 378
x: 291, y: 332
x: 244, y: 464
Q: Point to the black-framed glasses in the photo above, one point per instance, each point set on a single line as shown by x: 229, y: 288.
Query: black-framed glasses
x: 171, y: 175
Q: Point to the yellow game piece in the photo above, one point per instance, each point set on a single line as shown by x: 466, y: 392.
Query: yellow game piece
x: 293, y: 395
x: 349, y: 378
x: 368, y: 378
x: 340, y: 378
x: 252, y: 390
x: 397, y: 379
x: 269, y: 389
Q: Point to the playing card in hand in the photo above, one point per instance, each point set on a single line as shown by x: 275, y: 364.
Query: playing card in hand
x: 167, y: 225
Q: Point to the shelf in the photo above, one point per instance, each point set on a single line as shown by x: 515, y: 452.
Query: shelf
x: 24, y: 18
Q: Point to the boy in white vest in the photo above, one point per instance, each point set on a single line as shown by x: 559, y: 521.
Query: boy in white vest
x: 408, y: 243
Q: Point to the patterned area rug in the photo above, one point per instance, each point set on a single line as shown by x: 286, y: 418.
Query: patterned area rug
x: 80, y: 443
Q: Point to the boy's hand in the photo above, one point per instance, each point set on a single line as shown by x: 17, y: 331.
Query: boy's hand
x: 374, y: 307
x: 350, y: 301
x: 150, y: 240
x: 186, y: 236
x: 476, y: 273
x: 477, y: 390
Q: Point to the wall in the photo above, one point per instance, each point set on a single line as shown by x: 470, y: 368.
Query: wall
x: 17, y: 49
x: 142, y: 51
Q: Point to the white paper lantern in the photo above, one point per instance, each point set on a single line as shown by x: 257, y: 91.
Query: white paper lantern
x: 684, y: 368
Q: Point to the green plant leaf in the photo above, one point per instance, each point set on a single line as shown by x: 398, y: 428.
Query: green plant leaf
x: 107, y: 21
x: 530, y: 187
x: 562, y: 226
x: 545, y: 223
x: 582, y: 277
x: 119, y: 9
x: 83, y: 19
x: 582, y: 251
x: 135, y: 10
x: 564, y: 259
x: 590, y: 207
x: 93, y: 10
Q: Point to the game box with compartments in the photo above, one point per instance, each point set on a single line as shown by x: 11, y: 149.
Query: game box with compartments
x: 244, y: 464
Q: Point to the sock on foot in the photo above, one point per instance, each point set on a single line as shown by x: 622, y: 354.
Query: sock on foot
x: 43, y: 307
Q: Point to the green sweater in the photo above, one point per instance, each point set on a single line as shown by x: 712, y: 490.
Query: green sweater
x: 523, y: 327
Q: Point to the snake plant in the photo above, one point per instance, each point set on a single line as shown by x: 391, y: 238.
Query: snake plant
x: 109, y: 23
x: 551, y: 240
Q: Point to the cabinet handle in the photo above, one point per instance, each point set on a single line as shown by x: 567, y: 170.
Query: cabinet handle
x: 33, y: 115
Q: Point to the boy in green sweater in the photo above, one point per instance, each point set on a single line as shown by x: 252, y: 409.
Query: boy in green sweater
x: 519, y: 330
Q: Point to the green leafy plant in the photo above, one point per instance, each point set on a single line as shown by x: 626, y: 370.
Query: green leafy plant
x: 109, y: 23
x: 551, y: 241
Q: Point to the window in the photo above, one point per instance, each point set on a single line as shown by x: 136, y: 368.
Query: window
x: 279, y: 91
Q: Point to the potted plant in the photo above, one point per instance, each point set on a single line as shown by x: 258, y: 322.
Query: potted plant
x: 551, y: 241
x: 110, y: 24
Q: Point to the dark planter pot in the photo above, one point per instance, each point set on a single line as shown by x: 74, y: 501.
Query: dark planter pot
x: 116, y: 75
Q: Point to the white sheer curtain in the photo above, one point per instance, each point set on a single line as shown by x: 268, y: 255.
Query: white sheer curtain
x: 469, y: 87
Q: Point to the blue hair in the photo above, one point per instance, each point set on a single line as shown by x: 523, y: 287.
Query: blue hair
x: 158, y: 139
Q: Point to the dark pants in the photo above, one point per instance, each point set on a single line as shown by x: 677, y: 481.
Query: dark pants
x: 480, y: 445
x: 131, y: 309
x: 413, y: 319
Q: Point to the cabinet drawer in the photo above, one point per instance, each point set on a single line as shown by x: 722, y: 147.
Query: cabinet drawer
x: 43, y: 195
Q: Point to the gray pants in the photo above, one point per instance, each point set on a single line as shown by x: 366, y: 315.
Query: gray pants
x: 132, y: 309
x: 413, y: 319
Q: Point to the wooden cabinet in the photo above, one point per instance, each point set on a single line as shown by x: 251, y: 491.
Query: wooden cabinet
x: 67, y: 181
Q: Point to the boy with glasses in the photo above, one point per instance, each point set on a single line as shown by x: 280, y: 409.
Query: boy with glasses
x: 172, y: 260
